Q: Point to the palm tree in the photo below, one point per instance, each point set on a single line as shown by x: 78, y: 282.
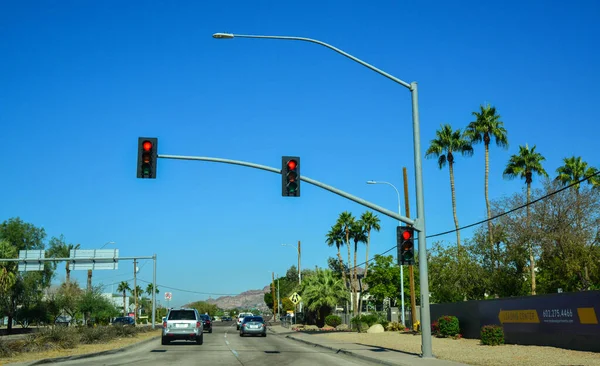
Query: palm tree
x: 335, y: 236
x: 323, y: 291
x: 358, y: 235
x: 487, y: 124
x: 149, y: 289
x: 137, y: 293
x: 370, y: 222
x: 59, y: 249
x: 524, y: 165
x: 345, y: 221
x: 576, y: 170
x: 124, y: 287
x: 446, y: 143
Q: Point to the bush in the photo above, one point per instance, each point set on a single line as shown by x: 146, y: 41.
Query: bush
x: 95, y: 335
x: 333, y: 320
x: 435, y: 328
x: 448, y: 326
x: 363, y: 322
x: 394, y: 327
x: 63, y: 337
x: 492, y: 335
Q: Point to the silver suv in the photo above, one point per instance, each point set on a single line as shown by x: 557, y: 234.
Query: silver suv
x: 183, y: 324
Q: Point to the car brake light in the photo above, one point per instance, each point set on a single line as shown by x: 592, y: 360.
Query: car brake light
x: 164, y: 324
x: 198, y: 324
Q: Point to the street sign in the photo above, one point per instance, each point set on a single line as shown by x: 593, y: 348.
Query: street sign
x: 102, y: 259
x: 168, y: 296
x: 30, y: 262
x: 295, y: 298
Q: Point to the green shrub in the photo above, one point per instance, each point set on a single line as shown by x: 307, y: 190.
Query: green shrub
x: 5, y: 350
x: 363, y: 322
x: 62, y: 337
x: 394, y: 326
x: 492, y: 335
x: 448, y: 326
x: 333, y: 320
x: 95, y: 335
x: 126, y: 331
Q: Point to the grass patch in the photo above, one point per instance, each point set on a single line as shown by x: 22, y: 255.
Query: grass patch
x: 63, y: 341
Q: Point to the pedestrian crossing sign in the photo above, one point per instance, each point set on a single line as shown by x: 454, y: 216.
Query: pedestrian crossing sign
x: 295, y: 298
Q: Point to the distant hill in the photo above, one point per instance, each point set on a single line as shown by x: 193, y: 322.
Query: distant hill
x: 247, y: 300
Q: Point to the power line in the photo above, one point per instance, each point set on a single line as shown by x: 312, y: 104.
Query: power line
x: 493, y: 217
x: 189, y: 291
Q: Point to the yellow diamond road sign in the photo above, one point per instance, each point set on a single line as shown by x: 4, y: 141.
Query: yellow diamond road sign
x: 295, y: 298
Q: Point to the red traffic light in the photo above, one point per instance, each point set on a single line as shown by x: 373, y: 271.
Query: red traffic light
x: 147, y: 145
x: 292, y: 164
x: 406, y: 235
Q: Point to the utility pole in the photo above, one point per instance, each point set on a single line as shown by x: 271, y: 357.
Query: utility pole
x: 135, y: 288
x: 411, y: 272
x: 299, y: 272
x: 278, y: 300
x: 273, y: 292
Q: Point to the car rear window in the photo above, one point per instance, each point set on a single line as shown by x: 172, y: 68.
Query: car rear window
x: 205, y: 317
x: 254, y: 319
x: 182, y: 315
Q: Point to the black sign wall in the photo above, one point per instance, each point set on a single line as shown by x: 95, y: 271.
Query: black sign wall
x: 565, y: 320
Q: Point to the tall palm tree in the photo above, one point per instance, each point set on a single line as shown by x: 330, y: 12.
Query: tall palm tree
x: 124, y: 287
x: 575, y: 170
x: 335, y: 236
x: 446, y: 143
x: 137, y: 293
x: 358, y: 235
x: 149, y: 289
x: 323, y: 291
x: 59, y: 249
x: 370, y: 222
x: 345, y: 221
x: 487, y: 125
x: 524, y: 165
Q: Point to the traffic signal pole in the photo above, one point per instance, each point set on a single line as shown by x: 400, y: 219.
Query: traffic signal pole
x: 304, y: 178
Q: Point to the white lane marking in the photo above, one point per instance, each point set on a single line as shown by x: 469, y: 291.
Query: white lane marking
x: 227, y: 342
x: 235, y: 353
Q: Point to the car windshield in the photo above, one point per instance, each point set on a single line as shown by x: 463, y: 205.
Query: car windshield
x: 182, y: 315
x: 253, y: 319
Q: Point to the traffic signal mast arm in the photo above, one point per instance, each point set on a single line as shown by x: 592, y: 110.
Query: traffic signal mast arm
x: 304, y: 178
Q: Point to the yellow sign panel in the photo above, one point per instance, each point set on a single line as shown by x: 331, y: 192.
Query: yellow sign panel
x: 295, y: 298
x: 518, y: 316
x: 587, y: 316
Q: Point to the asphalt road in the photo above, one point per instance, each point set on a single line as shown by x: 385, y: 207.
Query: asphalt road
x: 224, y: 346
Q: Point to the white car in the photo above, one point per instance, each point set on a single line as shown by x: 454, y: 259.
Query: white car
x: 241, y: 317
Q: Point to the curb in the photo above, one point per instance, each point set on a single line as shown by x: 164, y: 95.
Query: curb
x: 346, y: 352
x: 89, y: 355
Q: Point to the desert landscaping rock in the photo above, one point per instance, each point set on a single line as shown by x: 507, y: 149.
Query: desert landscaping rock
x: 376, y: 328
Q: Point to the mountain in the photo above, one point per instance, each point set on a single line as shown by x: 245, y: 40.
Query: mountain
x: 251, y: 299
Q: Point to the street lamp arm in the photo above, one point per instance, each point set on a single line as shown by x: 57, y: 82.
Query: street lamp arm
x: 365, y: 64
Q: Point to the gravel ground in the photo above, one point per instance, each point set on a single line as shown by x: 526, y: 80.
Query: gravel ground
x: 470, y: 351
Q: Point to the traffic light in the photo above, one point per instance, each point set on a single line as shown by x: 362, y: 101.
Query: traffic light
x: 290, y: 176
x: 147, y: 157
x: 405, y: 236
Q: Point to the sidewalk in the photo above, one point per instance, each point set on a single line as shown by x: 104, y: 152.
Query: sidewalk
x: 384, y: 356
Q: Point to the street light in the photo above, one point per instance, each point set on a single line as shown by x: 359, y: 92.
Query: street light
x: 419, y: 222
x: 401, y: 266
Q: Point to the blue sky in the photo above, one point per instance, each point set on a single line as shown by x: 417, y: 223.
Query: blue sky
x: 82, y: 80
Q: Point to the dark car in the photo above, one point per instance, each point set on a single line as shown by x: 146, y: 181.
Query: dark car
x: 124, y: 321
x: 253, y: 325
x: 207, y: 323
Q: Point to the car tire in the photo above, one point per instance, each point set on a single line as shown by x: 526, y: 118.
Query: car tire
x: 200, y: 339
x: 264, y: 334
x: 210, y: 330
x: 164, y: 341
x: 237, y: 327
x: 241, y: 334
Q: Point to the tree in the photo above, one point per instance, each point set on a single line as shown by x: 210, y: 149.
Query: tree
x: 358, y: 235
x: 124, y: 287
x: 487, y: 125
x: 25, y: 290
x: 322, y: 292
x: 575, y: 170
x: 526, y: 163
x: 99, y: 308
x: 204, y: 307
x: 58, y: 248
x: 335, y: 236
x: 566, y: 226
x: 149, y: 289
x: 68, y: 297
x: 446, y: 143
x: 370, y: 222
